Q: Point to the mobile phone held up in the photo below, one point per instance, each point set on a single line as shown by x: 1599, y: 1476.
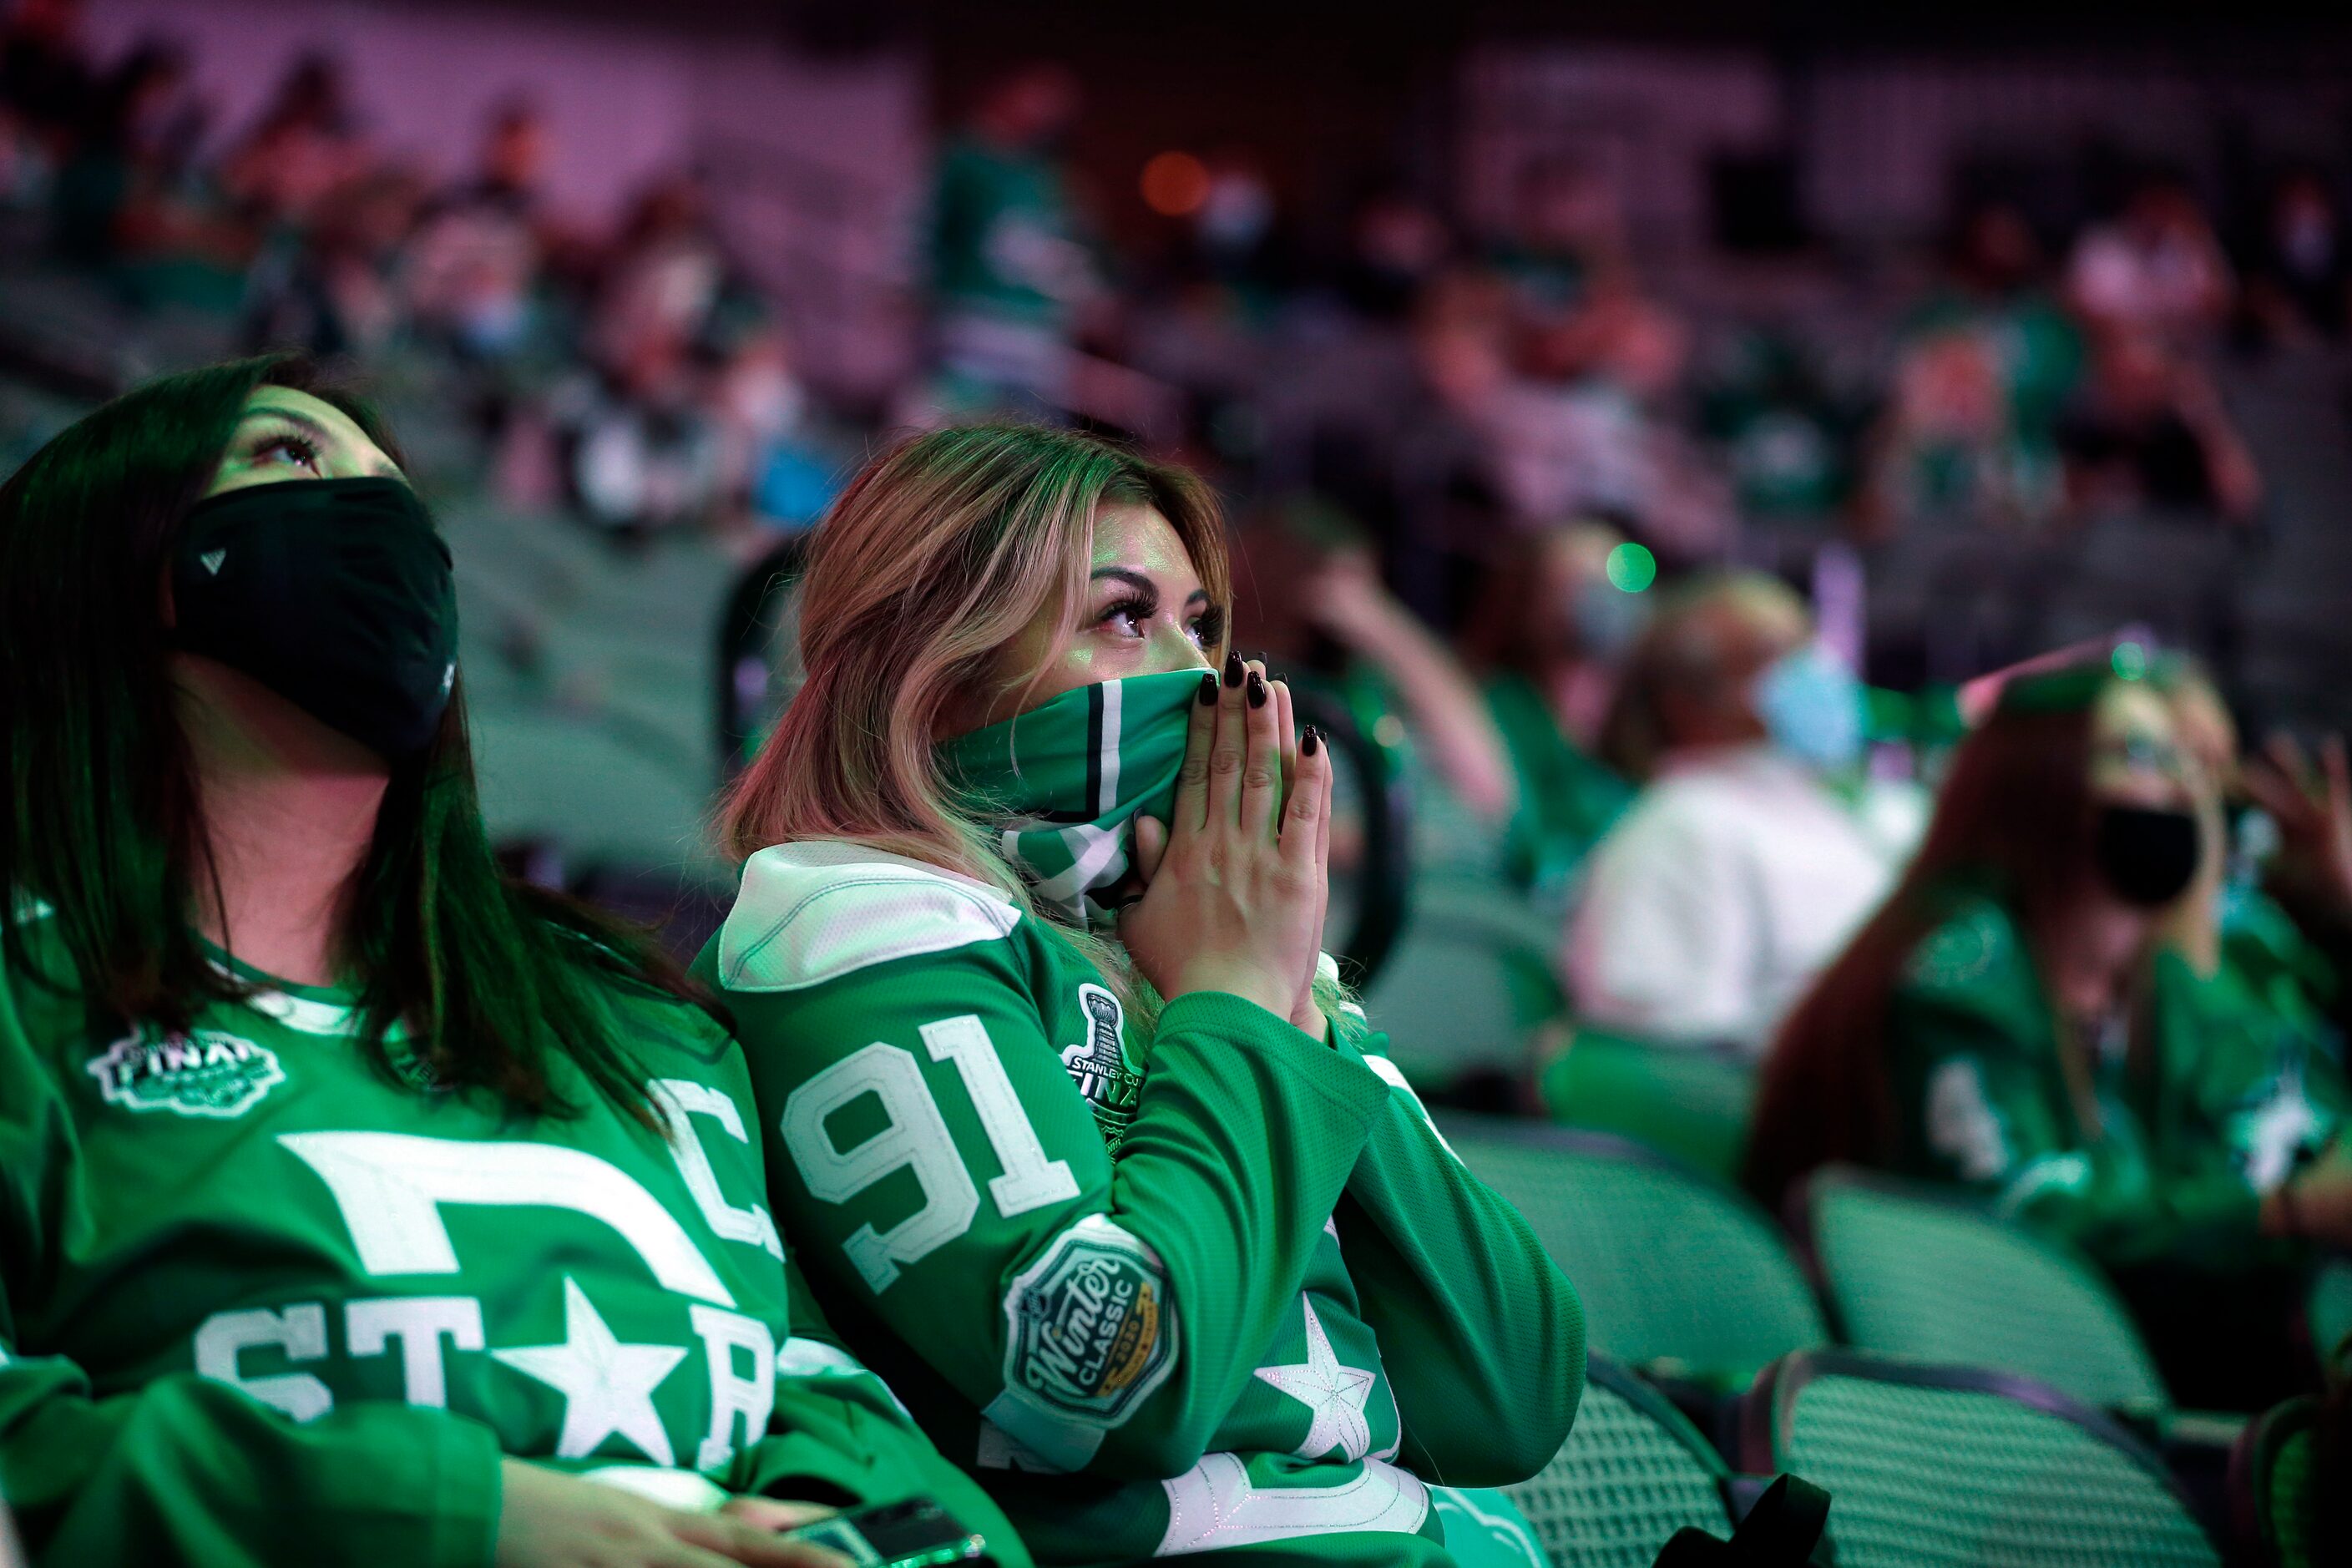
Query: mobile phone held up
x: 918, y: 1533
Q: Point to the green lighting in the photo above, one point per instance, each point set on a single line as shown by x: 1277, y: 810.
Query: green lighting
x: 1633, y: 567
x: 2130, y: 662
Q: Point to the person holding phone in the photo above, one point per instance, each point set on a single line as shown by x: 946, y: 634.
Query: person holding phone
x: 357, y: 1204
x: 1088, y: 1155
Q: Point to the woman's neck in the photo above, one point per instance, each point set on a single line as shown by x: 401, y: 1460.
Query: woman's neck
x: 2093, y: 953
x: 290, y: 809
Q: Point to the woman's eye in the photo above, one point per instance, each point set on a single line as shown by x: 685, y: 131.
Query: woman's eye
x: 1127, y: 619
x: 288, y: 451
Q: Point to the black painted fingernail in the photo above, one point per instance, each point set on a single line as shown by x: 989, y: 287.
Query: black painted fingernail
x: 1256, y: 690
x: 1208, y: 688
x: 1233, y: 670
x: 1310, y: 742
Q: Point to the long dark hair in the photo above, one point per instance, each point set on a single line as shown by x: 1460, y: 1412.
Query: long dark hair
x: 486, y: 975
x: 2012, y: 819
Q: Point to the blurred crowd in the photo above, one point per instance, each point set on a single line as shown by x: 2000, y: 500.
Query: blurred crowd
x: 1450, y: 390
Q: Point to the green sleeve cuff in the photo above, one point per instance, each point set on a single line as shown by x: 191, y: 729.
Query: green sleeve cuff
x: 1199, y: 1018
x: 465, y: 1495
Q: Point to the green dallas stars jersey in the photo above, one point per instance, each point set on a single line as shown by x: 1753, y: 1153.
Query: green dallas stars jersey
x: 1262, y: 1323
x: 259, y: 1305
x: 1981, y: 1098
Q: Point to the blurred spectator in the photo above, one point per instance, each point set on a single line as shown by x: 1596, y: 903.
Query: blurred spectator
x: 1548, y: 639
x: 1740, y: 869
x: 1982, y: 1030
x: 1398, y: 244
x: 1989, y: 362
x: 305, y: 145
x: 2147, y: 430
x: 333, y: 288
x: 2298, y: 263
x: 2156, y: 270
x: 111, y: 195
x: 1009, y: 269
x: 474, y: 262
x: 1789, y: 434
x: 1949, y: 445
x: 46, y: 80
x: 1569, y: 232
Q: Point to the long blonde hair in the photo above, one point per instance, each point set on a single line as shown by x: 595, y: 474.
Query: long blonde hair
x: 939, y: 554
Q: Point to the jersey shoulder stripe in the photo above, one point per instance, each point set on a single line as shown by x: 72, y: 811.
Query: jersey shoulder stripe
x: 814, y: 912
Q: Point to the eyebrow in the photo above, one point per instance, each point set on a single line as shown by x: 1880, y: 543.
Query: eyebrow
x: 1141, y: 583
x: 296, y: 416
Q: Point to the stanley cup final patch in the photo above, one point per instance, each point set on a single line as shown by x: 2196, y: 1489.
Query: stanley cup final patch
x: 201, y: 1073
x: 1092, y: 1332
x: 1098, y: 1064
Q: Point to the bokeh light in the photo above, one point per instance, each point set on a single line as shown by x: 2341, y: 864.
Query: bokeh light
x: 2130, y: 660
x: 1175, y: 185
x: 1631, y: 568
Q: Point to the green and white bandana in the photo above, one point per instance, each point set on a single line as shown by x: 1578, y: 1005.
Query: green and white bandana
x: 1062, y: 783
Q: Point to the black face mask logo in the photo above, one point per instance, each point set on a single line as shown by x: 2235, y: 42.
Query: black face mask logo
x: 335, y: 593
x: 2147, y: 856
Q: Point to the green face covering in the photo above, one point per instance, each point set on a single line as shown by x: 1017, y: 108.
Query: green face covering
x: 1062, y: 784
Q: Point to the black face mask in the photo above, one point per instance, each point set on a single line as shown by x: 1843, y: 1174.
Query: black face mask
x: 2146, y: 856
x: 334, y: 594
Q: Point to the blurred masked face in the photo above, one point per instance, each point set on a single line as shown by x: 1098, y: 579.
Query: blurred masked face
x: 2147, y: 840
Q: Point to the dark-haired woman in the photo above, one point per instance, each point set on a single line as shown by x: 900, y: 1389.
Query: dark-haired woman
x: 349, y: 1196
x: 1984, y: 1026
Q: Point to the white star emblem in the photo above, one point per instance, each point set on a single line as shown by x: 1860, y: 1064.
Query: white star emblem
x: 1335, y: 1394
x: 607, y: 1386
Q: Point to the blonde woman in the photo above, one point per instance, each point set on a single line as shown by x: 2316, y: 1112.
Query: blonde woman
x: 1088, y: 1161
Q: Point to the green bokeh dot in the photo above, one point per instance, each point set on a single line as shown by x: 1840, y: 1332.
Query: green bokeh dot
x: 1631, y: 568
x: 2130, y: 662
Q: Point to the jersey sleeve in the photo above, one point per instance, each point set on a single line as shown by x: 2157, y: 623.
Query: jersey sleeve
x: 939, y: 1164
x: 185, y: 1468
x: 839, y: 1435
x: 1483, y: 1335
x: 1989, y: 1118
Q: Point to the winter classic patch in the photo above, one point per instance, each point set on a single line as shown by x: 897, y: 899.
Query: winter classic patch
x: 1091, y: 1330
x: 201, y: 1073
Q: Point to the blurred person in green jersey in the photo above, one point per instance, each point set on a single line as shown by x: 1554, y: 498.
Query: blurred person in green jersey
x: 1090, y: 1158
x: 1992, y: 1026
x: 356, y: 1205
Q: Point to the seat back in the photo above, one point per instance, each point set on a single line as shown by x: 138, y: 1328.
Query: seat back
x: 1944, y: 1465
x: 1632, y: 1473
x: 1690, y: 1103
x: 1671, y: 1268
x: 1466, y: 980
x: 2327, y: 1311
x: 2274, y: 1490
x: 1910, y: 1271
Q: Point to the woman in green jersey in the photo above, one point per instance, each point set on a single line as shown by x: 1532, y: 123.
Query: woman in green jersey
x: 1997, y: 1025
x: 355, y: 1202
x: 1091, y: 1160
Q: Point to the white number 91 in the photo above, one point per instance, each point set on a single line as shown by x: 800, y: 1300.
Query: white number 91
x: 916, y: 1137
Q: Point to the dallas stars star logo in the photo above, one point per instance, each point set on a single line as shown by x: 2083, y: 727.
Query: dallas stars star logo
x: 1335, y: 1394
x: 607, y: 1386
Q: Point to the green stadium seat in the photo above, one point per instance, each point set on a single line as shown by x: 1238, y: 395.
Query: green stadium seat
x: 1633, y: 1472
x: 1938, y: 1464
x: 2273, y: 1491
x: 1913, y: 1272
x: 1689, y: 1102
x: 1676, y: 1272
x: 2327, y: 1311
